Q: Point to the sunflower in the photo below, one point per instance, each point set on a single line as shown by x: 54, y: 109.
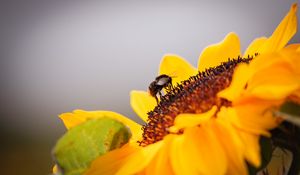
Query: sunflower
x: 210, y: 122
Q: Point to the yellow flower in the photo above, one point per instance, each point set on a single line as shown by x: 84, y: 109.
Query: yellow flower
x: 201, y: 126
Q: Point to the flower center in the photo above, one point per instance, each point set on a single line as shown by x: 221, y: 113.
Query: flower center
x: 196, y: 95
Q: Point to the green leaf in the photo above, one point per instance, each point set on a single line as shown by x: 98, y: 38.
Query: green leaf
x: 295, y: 166
x: 75, y: 150
x: 291, y: 108
x: 290, y: 112
x: 266, y: 151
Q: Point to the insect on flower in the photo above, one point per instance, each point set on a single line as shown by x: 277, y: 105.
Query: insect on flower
x: 160, y: 82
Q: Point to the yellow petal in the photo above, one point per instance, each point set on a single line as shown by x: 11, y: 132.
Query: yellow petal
x: 283, y: 33
x: 78, y: 116
x: 140, y: 159
x: 180, y: 160
x: 215, y: 54
x: 71, y: 119
x: 202, y: 146
x: 240, y: 122
x: 277, y: 78
x: 191, y: 120
x: 241, y: 75
x: 257, y: 122
x: 161, y: 162
x: 111, y: 162
x: 142, y: 103
x: 252, y: 152
x: 292, y: 47
x: 254, y: 46
x: 291, y: 55
x: 232, y: 145
x: 177, y: 68
x: 275, y: 92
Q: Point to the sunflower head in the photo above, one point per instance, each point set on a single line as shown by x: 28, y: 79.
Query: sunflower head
x: 197, y: 94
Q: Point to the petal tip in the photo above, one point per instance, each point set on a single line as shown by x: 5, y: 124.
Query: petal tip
x: 170, y: 57
x: 295, y: 6
x: 217, y: 53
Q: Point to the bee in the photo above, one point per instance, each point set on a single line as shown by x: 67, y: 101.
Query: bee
x: 160, y: 82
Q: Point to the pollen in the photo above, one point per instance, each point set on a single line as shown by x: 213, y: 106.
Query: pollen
x: 196, y: 95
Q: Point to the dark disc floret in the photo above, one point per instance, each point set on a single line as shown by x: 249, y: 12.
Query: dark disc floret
x: 196, y: 95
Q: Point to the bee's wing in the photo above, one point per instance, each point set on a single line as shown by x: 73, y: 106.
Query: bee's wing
x: 162, y: 81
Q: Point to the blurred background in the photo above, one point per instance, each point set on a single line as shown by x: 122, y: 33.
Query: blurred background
x: 57, y: 56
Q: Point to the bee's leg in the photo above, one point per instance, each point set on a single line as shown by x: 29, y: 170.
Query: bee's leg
x: 168, y: 88
x: 171, y: 85
x: 160, y: 94
x: 156, y: 99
